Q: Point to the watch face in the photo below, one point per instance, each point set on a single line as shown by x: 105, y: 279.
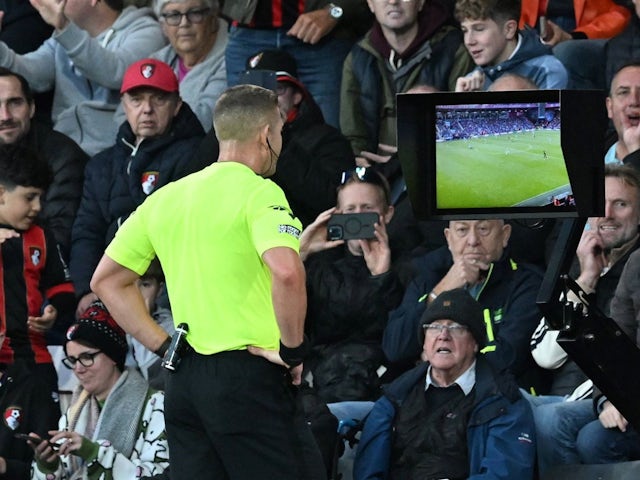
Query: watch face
x: 336, y: 11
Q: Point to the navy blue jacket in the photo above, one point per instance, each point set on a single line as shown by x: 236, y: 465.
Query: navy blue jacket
x: 500, y: 432
x: 533, y: 60
x: 120, y: 178
x: 509, y: 293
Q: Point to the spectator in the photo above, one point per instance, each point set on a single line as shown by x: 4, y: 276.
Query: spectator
x: 84, y: 60
x: 417, y: 43
x: 196, y: 54
x: 115, y: 424
x: 23, y: 30
x: 453, y: 416
x: 32, y: 268
x: 624, y: 47
x: 623, y: 108
x: 318, y: 38
x: 350, y: 291
x: 578, y: 31
x: 602, y: 253
x: 155, y: 146
x: 151, y: 286
x: 238, y: 282
x: 313, y: 152
x: 497, y: 46
x: 476, y: 258
x: 66, y: 160
x: 27, y: 408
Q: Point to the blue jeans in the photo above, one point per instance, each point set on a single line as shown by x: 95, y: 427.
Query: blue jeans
x: 557, y: 425
x: 319, y: 65
x: 596, y: 444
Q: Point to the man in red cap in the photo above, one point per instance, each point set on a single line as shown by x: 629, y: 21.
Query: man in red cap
x: 154, y: 146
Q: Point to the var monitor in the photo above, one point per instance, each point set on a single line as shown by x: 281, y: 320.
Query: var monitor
x: 524, y: 154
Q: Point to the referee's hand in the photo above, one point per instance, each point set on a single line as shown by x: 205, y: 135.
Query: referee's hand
x: 274, y: 357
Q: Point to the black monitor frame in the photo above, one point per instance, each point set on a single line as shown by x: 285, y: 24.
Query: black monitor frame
x: 583, y: 124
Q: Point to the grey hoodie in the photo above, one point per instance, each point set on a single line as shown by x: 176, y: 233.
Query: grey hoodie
x: 86, y: 73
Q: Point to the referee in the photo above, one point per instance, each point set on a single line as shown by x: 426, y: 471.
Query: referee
x: 228, y: 244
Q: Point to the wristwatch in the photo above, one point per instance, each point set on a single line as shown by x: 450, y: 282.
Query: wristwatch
x: 335, y: 11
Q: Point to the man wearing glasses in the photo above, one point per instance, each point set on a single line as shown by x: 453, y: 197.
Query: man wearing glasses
x: 477, y: 259
x: 452, y: 416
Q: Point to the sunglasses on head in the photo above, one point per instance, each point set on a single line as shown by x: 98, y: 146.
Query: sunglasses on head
x: 366, y: 175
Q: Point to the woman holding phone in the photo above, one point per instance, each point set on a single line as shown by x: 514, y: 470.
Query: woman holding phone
x: 115, y: 422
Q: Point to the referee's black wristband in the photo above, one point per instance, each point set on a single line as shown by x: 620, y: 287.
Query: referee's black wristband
x: 163, y: 348
x: 294, y: 356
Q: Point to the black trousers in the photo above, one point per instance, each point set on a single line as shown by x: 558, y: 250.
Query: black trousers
x: 235, y: 416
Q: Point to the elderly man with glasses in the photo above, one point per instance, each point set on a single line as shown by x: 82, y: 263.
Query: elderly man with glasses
x: 453, y: 416
x: 476, y: 258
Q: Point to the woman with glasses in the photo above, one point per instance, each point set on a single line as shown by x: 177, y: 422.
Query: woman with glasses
x: 114, y: 425
x: 197, y: 41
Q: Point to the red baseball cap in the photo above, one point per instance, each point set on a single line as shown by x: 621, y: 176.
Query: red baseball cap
x: 149, y: 72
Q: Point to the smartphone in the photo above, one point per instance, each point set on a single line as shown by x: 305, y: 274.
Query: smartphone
x: 351, y: 226
x: 34, y: 440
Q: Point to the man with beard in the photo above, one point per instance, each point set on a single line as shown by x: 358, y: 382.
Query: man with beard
x: 603, y: 250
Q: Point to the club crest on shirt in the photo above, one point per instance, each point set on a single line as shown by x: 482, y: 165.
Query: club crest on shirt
x: 149, y: 181
x: 13, y: 417
x: 280, y: 208
x: 36, y: 255
x: 146, y: 70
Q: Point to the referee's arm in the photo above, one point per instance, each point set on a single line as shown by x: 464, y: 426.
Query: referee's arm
x: 116, y: 286
x: 288, y: 292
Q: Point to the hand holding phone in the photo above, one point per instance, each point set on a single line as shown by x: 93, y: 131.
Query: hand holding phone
x: 35, y: 440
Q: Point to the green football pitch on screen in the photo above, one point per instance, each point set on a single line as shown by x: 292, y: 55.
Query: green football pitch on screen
x: 516, y: 169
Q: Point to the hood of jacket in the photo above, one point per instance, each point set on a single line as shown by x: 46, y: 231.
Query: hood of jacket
x: 126, y: 18
x: 530, y: 47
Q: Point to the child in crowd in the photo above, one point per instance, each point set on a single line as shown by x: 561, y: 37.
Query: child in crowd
x: 491, y: 35
x: 151, y: 285
x: 31, y: 267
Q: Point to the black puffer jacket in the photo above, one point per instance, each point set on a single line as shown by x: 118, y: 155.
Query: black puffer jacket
x: 120, y: 178
x: 67, y: 162
x: 347, y: 312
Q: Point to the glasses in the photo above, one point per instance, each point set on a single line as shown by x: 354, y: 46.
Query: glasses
x: 455, y: 330
x: 366, y: 175
x: 174, y: 18
x: 86, y: 359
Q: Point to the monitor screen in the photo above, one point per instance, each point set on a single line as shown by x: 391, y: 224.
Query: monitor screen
x: 500, y: 154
